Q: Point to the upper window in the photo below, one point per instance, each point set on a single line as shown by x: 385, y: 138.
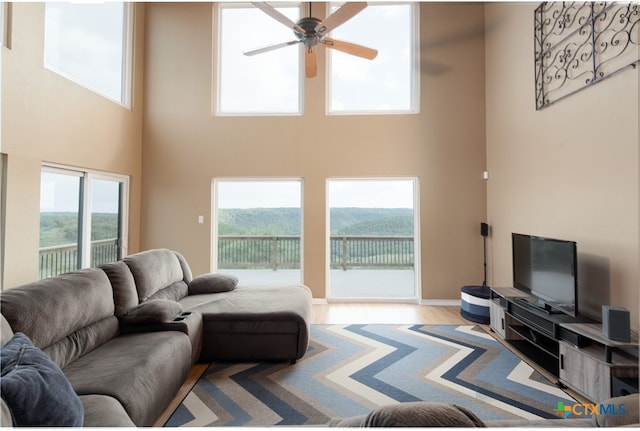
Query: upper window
x: 266, y: 84
x: 90, y: 44
x: 388, y: 84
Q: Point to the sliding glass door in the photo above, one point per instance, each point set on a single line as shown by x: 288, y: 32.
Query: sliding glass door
x: 82, y: 219
x: 258, y: 230
x: 372, y: 238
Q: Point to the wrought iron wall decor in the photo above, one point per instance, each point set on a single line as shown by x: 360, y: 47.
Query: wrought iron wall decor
x: 578, y: 44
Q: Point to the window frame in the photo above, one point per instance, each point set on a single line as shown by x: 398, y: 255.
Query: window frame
x: 5, y: 24
x: 126, y: 74
x: 217, y: 65
x: 85, y: 206
x: 215, y: 182
x: 417, y: 239
x: 414, y: 107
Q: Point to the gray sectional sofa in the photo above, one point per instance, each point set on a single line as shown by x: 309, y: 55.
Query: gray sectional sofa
x: 111, y: 346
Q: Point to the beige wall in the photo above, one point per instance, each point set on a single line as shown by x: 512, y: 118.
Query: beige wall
x: 46, y: 118
x: 185, y: 147
x: 568, y: 171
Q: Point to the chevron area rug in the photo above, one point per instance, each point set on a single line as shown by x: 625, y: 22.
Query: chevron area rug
x: 350, y: 369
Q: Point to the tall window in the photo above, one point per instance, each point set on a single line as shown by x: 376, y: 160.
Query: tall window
x: 372, y: 238
x: 389, y: 83
x: 91, y: 45
x: 268, y: 83
x: 258, y: 230
x: 82, y: 219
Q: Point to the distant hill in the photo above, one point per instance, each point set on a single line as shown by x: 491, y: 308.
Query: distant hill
x: 259, y: 221
x: 388, y: 226
x: 344, y: 221
x: 58, y: 228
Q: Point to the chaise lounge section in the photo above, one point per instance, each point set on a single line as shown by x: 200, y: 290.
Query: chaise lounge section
x: 240, y: 323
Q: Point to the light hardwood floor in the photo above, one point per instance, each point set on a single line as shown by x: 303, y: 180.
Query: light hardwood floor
x: 350, y: 313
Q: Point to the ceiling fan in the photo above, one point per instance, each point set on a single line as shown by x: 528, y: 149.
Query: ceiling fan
x: 312, y: 31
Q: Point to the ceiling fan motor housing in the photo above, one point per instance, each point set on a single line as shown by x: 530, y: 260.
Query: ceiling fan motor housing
x: 310, y: 37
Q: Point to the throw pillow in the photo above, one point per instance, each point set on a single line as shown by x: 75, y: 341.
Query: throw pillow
x: 212, y: 283
x: 35, y: 389
x: 153, y: 311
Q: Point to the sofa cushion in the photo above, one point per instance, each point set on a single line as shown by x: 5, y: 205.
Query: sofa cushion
x: 174, y: 292
x: 153, y: 311
x: 143, y: 371
x: 212, y: 283
x: 35, y: 389
x: 629, y: 404
x: 155, y: 270
x: 125, y: 295
x: 104, y: 411
x: 65, y: 316
x: 254, y: 322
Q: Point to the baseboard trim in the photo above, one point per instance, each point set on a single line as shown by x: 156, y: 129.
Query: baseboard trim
x: 425, y: 302
x: 441, y: 302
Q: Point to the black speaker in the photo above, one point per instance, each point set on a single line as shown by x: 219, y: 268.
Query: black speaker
x: 616, y: 324
x: 484, y: 229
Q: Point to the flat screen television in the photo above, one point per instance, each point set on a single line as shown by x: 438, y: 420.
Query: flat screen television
x: 546, y: 269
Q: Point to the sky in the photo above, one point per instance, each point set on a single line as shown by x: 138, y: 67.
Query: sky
x: 60, y: 193
x: 378, y: 193
x: 84, y: 42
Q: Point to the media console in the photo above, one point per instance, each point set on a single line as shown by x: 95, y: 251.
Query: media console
x: 572, y: 349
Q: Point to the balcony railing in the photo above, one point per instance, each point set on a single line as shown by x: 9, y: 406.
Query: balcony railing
x: 256, y: 252
x: 59, y: 259
x: 283, y: 252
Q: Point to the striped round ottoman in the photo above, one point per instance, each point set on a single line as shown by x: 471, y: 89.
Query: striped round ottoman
x: 475, y: 303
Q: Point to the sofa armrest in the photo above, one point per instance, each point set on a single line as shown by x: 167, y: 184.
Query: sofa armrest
x: 189, y: 322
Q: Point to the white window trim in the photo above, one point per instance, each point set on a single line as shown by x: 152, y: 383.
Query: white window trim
x: 127, y: 63
x: 88, y: 175
x: 415, y: 76
x: 217, y: 68
x: 128, y: 56
x: 417, y: 240
x: 214, y: 215
x: 5, y: 24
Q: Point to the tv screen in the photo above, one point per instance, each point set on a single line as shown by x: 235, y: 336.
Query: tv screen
x: 546, y: 268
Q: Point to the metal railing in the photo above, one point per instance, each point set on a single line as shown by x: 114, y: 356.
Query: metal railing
x: 259, y: 252
x: 352, y: 252
x: 283, y: 252
x: 256, y: 252
x: 59, y: 259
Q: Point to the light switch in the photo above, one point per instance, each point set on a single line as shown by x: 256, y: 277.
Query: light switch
x: 200, y: 219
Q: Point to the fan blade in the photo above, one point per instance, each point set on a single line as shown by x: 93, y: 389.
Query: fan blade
x: 350, y: 48
x: 270, y: 47
x: 275, y: 14
x: 310, y: 62
x: 345, y: 13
